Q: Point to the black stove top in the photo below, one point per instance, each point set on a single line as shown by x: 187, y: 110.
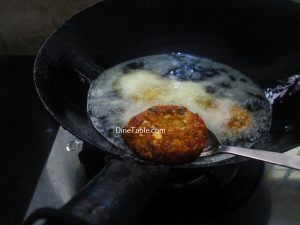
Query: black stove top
x: 252, y: 193
x: 207, y: 196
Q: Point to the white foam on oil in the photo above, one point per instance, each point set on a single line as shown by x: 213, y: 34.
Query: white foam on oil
x: 205, y: 87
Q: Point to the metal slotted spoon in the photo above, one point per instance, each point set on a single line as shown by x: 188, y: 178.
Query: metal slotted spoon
x: 214, y: 146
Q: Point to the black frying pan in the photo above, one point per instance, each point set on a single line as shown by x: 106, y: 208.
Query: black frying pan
x: 259, y: 38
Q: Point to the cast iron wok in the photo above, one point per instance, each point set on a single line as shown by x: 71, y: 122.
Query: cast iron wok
x: 259, y: 38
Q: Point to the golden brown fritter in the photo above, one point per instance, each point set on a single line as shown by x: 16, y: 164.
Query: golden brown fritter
x: 239, y: 120
x: 181, y: 140
x: 206, y: 102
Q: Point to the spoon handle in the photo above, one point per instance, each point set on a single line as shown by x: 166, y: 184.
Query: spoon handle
x: 280, y: 159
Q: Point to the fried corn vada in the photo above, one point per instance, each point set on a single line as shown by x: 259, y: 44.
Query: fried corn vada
x: 178, y: 136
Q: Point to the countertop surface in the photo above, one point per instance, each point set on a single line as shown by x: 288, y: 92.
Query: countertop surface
x: 27, y: 132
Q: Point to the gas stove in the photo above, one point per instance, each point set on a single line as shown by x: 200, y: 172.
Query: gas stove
x: 251, y: 193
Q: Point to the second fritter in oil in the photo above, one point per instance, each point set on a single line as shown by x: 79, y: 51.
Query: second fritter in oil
x: 175, y: 134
